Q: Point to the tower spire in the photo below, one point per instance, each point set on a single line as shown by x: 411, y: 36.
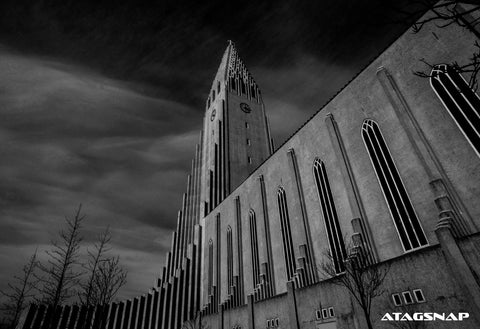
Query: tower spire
x: 236, y: 135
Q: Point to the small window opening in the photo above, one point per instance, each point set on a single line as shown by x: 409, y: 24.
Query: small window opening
x: 397, y: 301
x: 331, y: 312
x: 324, y: 313
x: 407, y: 297
x: 419, y: 295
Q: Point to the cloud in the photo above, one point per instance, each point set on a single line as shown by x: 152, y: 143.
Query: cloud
x: 71, y: 136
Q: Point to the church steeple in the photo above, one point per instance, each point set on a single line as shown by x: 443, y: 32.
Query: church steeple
x: 236, y: 137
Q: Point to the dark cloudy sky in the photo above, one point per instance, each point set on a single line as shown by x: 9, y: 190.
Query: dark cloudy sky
x: 101, y: 103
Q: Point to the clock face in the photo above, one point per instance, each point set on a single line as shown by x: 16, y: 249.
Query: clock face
x: 212, y: 116
x: 245, y: 108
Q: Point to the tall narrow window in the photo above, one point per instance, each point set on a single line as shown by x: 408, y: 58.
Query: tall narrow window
x: 254, y: 247
x: 286, y: 233
x: 406, y: 221
x: 332, y: 226
x: 460, y: 100
x: 210, y: 266
x: 229, y: 258
x: 218, y: 87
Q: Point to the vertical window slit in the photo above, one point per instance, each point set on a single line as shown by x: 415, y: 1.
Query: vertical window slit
x: 461, y: 102
x: 286, y: 233
x: 332, y: 226
x: 401, y: 209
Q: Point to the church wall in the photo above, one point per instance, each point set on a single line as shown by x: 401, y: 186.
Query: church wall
x: 323, y: 296
x: 366, y: 97
x: 252, y: 200
x: 235, y: 317
x: 272, y: 309
x: 426, y: 270
x: 456, y: 155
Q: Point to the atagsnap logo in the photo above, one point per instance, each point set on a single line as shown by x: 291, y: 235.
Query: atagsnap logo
x: 425, y: 316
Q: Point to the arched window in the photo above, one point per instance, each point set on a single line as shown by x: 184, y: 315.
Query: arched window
x: 286, y: 233
x: 252, y: 218
x: 210, y: 266
x: 401, y: 208
x: 460, y: 100
x: 229, y: 258
x: 332, y: 226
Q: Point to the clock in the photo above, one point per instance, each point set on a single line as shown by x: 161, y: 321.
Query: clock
x: 212, y: 116
x: 245, y: 108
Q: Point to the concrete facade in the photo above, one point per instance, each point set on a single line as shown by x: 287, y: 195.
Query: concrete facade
x: 247, y: 202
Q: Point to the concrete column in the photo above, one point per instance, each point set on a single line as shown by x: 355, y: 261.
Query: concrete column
x: 266, y: 223
x: 32, y: 311
x: 292, y: 306
x: 133, y: 317
x: 66, y: 313
x: 126, y: 316
x: 105, y: 315
x: 251, y: 311
x: 458, y: 266
x: 82, y: 317
x: 238, y: 219
x: 166, y: 306
x: 141, y: 312
x: 422, y: 148
x: 41, y: 313
x: 111, y: 316
x: 173, y: 303
x: 118, y: 321
x: 161, y: 307
x: 89, y: 320
x: 356, y: 204
x: 148, y: 311
x: 97, y: 321
x: 179, y: 297
x: 221, y: 316
x: 311, y: 273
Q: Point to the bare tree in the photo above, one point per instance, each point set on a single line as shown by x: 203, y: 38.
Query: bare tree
x: 363, y: 280
x: 472, y: 67
x: 445, y: 13
x: 60, y: 275
x: 95, y: 258
x: 109, y: 278
x: 20, y: 293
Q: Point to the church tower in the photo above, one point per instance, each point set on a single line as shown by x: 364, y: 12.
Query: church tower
x: 236, y: 136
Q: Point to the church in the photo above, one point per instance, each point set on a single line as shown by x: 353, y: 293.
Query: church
x: 368, y: 212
